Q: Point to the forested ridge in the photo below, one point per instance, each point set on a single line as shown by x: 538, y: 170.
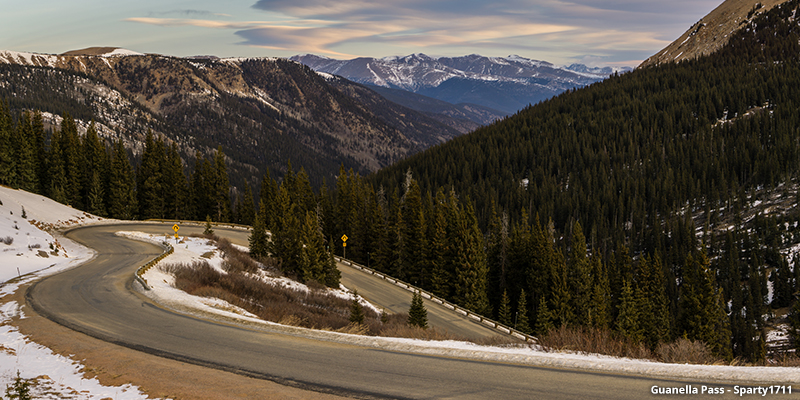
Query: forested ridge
x: 579, y: 211
x: 631, y: 161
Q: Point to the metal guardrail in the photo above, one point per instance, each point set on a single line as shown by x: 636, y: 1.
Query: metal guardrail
x: 470, y: 315
x: 140, y: 272
x: 202, y: 223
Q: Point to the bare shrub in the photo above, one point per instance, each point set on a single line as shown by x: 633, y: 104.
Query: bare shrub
x: 593, y: 340
x: 499, y: 341
x: 8, y: 240
x: 684, y: 351
x: 785, y: 359
x: 415, y: 332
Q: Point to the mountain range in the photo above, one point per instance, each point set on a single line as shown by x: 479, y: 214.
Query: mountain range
x: 500, y: 84
x: 262, y: 111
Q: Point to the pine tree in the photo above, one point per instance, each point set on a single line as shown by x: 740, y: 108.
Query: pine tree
x: 794, y: 324
x: 246, y: 209
x: 313, y: 256
x: 356, y: 310
x: 601, y: 296
x: 149, y: 181
x: 579, y: 278
x: 7, y: 166
x: 412, y: 235
x: 94, y: 178
x: 417, y: 314
x: 122, y: 202
x: 504, y: 312
x: 523, y: 322
x: 470, y: 264
x: 258, y: 240
x: 628, y: 318
x: 702, y: 314
x: 73, y: 161
x: 57, y: 179
x: 175, y: 185
x: 221, y: 188
x: 544, y: 318
x: 332, y: 274
x: 26, y: 161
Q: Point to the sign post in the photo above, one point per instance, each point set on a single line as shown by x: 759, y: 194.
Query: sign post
x: 344, y: 246
x: 175, y: 228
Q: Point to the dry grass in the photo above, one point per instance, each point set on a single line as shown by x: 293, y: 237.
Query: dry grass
x: 593, y: 340
x: 683, y: 351
x: 242, y: 285
x: 607, y: 342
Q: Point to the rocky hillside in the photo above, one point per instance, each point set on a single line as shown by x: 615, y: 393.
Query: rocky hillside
x: 713, y: 31
x: 263, y: 112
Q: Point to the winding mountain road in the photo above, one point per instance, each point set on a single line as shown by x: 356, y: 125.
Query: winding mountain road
x: 98, y: 299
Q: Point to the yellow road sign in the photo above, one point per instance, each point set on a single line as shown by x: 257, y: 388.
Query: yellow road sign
x: 344, y: 238
x: 344, y: 244
x: 176, y: 235
x: 175, y: 228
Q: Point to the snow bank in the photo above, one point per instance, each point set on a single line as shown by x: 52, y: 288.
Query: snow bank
x: 28, y: 256
x: 55, y: 376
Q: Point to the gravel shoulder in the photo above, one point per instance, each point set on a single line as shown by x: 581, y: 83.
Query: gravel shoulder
x: 159, y: 377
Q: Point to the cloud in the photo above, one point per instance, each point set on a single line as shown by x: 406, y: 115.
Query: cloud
x: 569, y: 28
x: 189, y: 13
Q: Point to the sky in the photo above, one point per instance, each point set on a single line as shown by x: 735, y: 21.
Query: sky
x: 592, y: 32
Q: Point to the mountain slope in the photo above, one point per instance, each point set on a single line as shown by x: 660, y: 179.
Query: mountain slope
x: 713, y: 31
x: 262, y: 111
x: 630, y: 152
x: 503, y: 83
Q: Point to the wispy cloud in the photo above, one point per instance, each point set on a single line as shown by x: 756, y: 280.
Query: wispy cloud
x: 568, y: 28
x: 188, y: 13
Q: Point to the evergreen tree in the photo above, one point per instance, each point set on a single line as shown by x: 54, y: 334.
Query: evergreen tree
x: 470, y: 264
x: 628, y: 318
x: 417, y: 314
x: 57, y: 179
x: 356, y: 310
x: 73, y: 161
x: 175, y: 185
x: 544, y: 318
x: 221, y: 188
x: 258, y: 240
x: 794, y: 324
x: 122, y: 202
x: 246, y: 209
x: 702, y: 314
x: 412, y: 236
x: 504, y: 312
x: 332, y: 274
x: 7, y: 165
x: 579, y: 278
x: 26, y: 173
x: 523, y: 322
x: 600, y: 309
x: 94, y: 177
x: 149, y: 181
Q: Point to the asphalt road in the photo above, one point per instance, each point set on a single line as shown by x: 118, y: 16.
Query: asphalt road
x: 97, y: 298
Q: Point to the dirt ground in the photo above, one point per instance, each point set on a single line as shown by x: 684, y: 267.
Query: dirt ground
x: 158, y: 377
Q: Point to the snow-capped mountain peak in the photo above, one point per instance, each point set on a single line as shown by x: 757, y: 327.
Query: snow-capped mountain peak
x: 503, y: 83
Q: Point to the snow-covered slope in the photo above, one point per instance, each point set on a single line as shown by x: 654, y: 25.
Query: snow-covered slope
x: 26, y: 244
x: 28, y: 250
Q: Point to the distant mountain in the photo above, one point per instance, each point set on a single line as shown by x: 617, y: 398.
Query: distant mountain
x: 507, y: 84
x: 713, y: 31
x: 262, y: 111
